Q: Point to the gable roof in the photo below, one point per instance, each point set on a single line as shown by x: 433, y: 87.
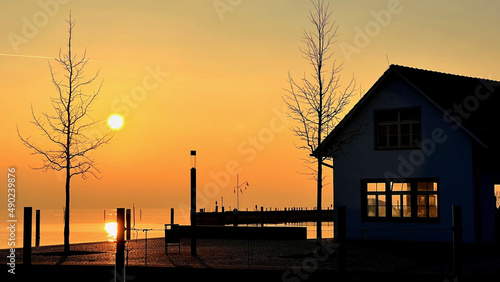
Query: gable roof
x: 472, y: 102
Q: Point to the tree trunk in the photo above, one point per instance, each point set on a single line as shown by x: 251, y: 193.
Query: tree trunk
x: 319, y: 200
x: 66, y: 215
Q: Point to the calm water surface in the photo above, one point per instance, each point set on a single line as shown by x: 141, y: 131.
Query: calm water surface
x: 90, y: 226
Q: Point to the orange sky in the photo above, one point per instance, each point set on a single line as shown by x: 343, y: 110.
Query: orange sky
x: 212, y: 75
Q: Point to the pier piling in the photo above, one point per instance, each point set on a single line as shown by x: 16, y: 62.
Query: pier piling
x: 37, y: 228
x: 28, y: 218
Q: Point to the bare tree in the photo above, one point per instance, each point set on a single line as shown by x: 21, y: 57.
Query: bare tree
x: 66, y: 127
x: 317, y: 100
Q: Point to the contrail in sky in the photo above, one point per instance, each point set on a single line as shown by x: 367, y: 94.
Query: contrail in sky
x: 36, y: 57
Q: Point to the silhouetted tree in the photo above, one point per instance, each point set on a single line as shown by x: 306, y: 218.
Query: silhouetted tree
x: 65, y: 129
x: 317, y: 101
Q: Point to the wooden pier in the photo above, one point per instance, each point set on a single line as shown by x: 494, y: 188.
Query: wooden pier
x: 261, y: 217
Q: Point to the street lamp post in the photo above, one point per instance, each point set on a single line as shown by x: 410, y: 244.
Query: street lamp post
x: 238, y: 190
x: 193, y: 203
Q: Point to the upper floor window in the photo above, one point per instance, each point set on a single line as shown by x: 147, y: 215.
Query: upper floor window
x: 397, y: 128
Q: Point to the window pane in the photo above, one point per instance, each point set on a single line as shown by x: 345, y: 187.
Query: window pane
x: 434, y: 186
x: 393, y: 141
x: 433, y: 200
x: 396, y: 206
x: 393, y: 129
x: 396, y: 186
x: 380, y: 187
x: 415, y: 128
x: 407, y: 211
x: 422, y: 200
x: 422, y: 211
x: 371, y: 211
x: 381, y: 200
x: 406, y: 187
x: 372, y: 200
x: 381, y: 211
x: 372, y: 187
x: 422, y: 186
x: 405, y: 140
x: 405, y: 128
x: 407, y: 200
x: 433, y: 211
x: 382, y: 129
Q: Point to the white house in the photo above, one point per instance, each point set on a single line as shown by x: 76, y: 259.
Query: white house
x: 428, y: 140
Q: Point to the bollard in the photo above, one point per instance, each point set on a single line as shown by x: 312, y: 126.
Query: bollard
x: 120, y: 244
x: 128, y: 224
x: 457, y: 241
x: 172, y: 216
x: 37, y: 228
x: 28, y: 217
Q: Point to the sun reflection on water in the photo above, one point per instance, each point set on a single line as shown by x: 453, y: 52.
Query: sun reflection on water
x: 112, y: 229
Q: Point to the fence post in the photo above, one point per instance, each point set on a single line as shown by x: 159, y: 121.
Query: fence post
x: 37, y: 228
x: 28, y: 217
x: 342, y: 233
x: 457, y: 241
x: 120, y: 245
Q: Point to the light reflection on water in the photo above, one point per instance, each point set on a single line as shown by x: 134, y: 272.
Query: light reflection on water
x: 112, y: 229
x: 92, y: 226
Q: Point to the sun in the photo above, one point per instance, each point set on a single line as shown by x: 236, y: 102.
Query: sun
x: 115, y: 121
x: 112, y: 229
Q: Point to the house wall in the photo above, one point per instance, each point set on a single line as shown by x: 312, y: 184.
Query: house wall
x: 449, y: 160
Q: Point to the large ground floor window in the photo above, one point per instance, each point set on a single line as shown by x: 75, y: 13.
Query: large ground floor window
x: 400, y: 200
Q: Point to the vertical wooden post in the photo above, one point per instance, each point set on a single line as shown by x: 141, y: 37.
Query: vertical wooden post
x: 37, y: 228
x: 193, y: 206
x: 261, y: 216
x: 235, y: 217
x: 342, y: 236
x: 171, y: 215
x: 120, y: 245
x: 457, y: 241
x: 28, y: 217
x: 128, y: 223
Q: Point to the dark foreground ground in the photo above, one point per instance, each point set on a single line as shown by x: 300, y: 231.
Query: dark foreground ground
x: 256, y: 260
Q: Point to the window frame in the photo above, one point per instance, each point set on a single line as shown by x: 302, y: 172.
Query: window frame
x: 377, y: 123
x: 414, y: 193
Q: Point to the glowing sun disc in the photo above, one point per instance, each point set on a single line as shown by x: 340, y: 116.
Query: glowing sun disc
x: 115, y: 121
x: 112, y: 229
